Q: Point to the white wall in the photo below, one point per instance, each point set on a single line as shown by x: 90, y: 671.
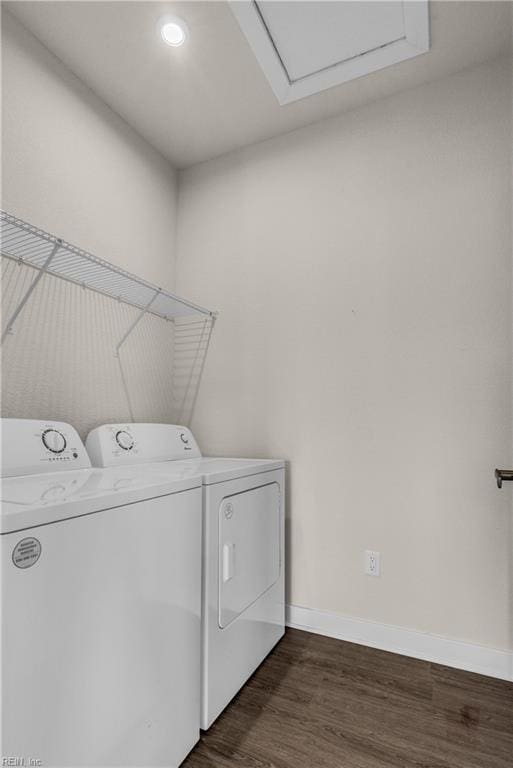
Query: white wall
x: 72, y: 167
x: 362, y: 270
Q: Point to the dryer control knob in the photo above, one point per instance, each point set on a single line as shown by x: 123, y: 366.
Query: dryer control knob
x: 125, y: 440
x: 53, y: 440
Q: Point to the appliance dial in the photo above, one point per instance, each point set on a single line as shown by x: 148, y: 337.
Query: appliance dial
x: 53, y: 440
x: 125, y: 440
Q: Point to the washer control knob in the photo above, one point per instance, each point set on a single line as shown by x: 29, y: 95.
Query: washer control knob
x: 125, y: 440
x: 53, y: 440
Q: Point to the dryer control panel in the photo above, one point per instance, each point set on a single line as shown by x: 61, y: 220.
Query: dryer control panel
x: 120, y: 444
x: 31, y: 447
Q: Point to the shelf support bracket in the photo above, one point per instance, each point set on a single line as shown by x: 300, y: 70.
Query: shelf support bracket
x: 137, y: 320
x: 28, y: 293
x: 123, y: 340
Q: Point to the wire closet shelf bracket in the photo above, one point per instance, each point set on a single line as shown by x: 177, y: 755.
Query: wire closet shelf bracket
x: 35, y: 259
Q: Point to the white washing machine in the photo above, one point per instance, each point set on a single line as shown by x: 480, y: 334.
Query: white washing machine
x: 101, y: 600
x: 243, y: 595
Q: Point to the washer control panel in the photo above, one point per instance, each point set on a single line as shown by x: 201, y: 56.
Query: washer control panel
x: 118, y: 444
x: 31, y: 447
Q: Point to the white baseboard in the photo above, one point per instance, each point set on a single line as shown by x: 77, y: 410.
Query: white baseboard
x: 408, y: 642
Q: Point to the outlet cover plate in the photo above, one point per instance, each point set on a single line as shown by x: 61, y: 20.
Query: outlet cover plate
x: 372, y: 562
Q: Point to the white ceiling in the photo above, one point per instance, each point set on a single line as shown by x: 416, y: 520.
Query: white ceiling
x: 210, y: 96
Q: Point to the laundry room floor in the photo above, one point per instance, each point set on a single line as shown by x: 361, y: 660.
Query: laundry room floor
x: 322, y: 703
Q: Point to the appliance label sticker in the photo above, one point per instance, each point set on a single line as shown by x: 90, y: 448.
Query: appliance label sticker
x: 26, y: 552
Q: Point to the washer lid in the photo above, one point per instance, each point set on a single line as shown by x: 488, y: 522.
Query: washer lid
x: 47, y: 498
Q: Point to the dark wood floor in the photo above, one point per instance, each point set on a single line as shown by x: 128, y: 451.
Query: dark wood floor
x: 322, y: 703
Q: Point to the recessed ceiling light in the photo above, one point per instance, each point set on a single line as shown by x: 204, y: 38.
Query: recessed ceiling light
x: 173, y: 31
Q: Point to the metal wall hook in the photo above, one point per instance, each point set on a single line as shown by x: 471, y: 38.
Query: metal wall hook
x: 503, y: 475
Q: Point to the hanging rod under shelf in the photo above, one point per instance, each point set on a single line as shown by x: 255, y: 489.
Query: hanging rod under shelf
x: 29, y: 245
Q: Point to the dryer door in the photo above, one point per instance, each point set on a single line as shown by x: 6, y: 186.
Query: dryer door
x: 249, y: 548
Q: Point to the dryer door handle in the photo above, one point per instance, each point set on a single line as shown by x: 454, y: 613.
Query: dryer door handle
x: 228, y: 562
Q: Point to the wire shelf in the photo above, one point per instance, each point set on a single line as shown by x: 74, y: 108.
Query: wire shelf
x: 28, y: 244
x: 121, y: 350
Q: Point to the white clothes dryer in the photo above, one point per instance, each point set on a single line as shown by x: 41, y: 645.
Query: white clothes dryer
x: 243, y: 593
x: 100, y: 605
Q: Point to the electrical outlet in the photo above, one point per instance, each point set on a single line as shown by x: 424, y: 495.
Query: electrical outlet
x: 372, y: 562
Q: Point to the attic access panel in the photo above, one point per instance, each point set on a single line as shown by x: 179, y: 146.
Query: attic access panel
x: 306, y: 46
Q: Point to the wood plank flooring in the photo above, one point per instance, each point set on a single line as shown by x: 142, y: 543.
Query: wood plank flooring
x: 322, y: 703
